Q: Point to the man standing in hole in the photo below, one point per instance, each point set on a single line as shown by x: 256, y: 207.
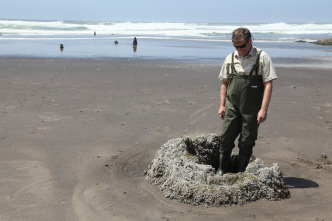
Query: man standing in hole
x: 245, y: 94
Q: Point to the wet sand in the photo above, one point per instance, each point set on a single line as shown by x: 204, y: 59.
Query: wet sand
x: 77, y: 135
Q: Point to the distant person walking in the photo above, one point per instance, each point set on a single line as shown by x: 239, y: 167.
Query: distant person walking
x: 245, y: 94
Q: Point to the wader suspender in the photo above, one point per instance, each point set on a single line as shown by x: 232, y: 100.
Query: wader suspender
x: 255, y: 67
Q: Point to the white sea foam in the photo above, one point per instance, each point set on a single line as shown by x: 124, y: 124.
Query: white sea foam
x: 156, y: 40
x: 190, y: 30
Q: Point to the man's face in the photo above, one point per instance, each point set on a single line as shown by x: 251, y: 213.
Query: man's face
x: 243, y: 47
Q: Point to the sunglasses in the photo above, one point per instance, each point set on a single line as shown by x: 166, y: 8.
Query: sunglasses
x: 241, y: 46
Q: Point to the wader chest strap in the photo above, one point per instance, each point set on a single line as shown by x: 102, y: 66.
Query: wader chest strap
x: 254, y: 68
x: 232, y: 65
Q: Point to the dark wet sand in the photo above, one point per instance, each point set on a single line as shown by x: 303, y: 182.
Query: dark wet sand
x: 76, y: 136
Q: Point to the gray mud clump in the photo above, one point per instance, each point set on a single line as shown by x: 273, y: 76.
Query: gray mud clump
x: 326, y: 41
x: 184, y: 169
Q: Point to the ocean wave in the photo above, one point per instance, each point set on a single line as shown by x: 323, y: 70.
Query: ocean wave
x: 201, y: 30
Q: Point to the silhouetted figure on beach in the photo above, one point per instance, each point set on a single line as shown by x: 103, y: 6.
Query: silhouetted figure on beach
x: 135, y: 42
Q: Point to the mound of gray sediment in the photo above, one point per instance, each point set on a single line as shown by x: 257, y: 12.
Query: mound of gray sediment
x: 327, y: 41
x: 184, y: 169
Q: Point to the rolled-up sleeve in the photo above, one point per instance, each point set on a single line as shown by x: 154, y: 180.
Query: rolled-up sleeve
x: 224, y: 72
x: 268, y: 70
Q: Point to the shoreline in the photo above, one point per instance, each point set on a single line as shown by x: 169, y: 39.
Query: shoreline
x: 153, y: 49
x: 77, y: 135
x: 315, y: 62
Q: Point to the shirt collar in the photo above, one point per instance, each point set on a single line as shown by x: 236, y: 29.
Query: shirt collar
x: 252, y: 52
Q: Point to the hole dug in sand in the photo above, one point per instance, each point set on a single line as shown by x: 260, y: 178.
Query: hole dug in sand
x: 184, y: 169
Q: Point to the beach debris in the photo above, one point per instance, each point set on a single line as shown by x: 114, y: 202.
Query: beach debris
x: 135, y: 42
x: 326, y: 41
x: 61, y: 47
x: 116, y: 42
x: 184, y: 169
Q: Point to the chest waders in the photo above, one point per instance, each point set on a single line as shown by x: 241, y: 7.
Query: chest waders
x: 243, y: 101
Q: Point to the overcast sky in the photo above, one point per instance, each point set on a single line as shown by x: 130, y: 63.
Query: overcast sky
x: 244, y: 11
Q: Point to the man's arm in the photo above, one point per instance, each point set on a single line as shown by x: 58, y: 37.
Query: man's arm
x: 223, y: 92
x: 262, y: 114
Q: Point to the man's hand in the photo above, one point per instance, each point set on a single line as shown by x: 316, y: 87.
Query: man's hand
x: 221, y: 112
x: 261, y: 116
x: 223, y: 92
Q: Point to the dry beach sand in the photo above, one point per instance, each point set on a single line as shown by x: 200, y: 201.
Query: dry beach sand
x: 77, y: 135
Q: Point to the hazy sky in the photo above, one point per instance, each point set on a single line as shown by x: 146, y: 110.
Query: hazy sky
x: 263, y: 11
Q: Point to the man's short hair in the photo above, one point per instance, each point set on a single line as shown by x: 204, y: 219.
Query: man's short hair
x: 241, y: 34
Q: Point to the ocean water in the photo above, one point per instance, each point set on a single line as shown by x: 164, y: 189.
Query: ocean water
x: 204, y: 41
